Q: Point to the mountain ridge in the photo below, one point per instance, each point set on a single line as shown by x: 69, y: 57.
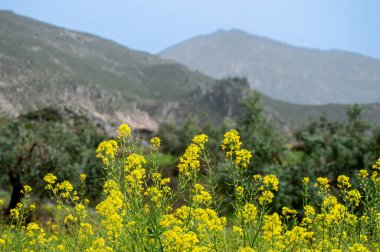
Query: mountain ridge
x: 277, y: 68
x: 46, y: 66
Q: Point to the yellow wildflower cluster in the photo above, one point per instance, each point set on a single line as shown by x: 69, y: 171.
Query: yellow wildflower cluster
x: 343, y: 182
x: 26, y: 189
x: 305, y: 180
x: 353, y: 197
x: 376, y: 166
x: 231, y: 142
x: 271, y: 182
x: 248, y: 214
x: 124, y: 131
x: 107, y: 151
x: 239, y: 192
x: 179, y: 239
x: 289, y: 213
x: 272, y: 227
x: 156, y: 142
x: 82, y: 177
x: 141, y: 212
x: 134, y: 162
x: 201, y: 196
x: 50, y: 179
x: 266, y: 197
x: 200, y: 140
x: 232, y: 145
x: 243, y: 158
x: 363, y: 174
x: 323, y: 183
x: 189, y: 162
x: 110, y: 208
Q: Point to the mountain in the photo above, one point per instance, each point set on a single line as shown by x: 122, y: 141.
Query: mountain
x: 44, y: 66
x: 285, y: 72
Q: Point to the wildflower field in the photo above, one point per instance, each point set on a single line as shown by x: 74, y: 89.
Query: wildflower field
x: 142, y: 211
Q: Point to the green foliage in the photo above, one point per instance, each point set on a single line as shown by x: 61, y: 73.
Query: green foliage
x: 260, y: 135
x: 45, y: 141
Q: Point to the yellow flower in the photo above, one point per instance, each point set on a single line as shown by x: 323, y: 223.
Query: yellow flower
x: 266, y: 198
x: 271, y: 181
x: 32, y: 229
x: 155, y: 195
x: 179, y: 239
x: 107, y: 151
x: 133, y: 162
x: 247, y: 249
x: 200, y: 140
x: 376, y: 166
x: 272, y: 226
x: 298, y: 235
x: 1, y: 202
x: 323, y: 183
x: 14, y: 213
x: 289, y: 213
x: 168, y: 220
x: 249, y: 213
x: 343, y: 181
x: 27, y: 189
x: 69, y: 219
x: 32, y: 207
x: 231, y: 142
x: 309, y: 215
x: 329, y: 201
x: 363, y: 174
x: 60, y: 247
x: 201, y: 195
x: 156, y: 142
x: 305, y: 180
x: 66, y: 187
x: 237, y: 230
x: 79, y: 207
x: 50, y: 178
x: 257, y: 177
x: 123, y: 131
x: 357, y: 247
x: 85, y: 230
x: 239, y: 191
x: 83, y: 177
x: 353, y: 196
x: 243, y: 157
x: 189, y: 162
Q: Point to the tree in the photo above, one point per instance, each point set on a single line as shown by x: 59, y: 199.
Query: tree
x: 332, y: 148
x: 259, y: 134
x: 45, y: 141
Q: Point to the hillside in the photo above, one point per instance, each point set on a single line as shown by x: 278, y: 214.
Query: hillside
x: 285, y: 72
x: 42, y: 65
x: 46, y: 66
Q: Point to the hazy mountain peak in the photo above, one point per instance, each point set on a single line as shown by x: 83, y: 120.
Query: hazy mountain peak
x: 280, y: 70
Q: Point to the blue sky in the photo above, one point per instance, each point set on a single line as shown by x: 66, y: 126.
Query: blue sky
x: 153, y: 25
